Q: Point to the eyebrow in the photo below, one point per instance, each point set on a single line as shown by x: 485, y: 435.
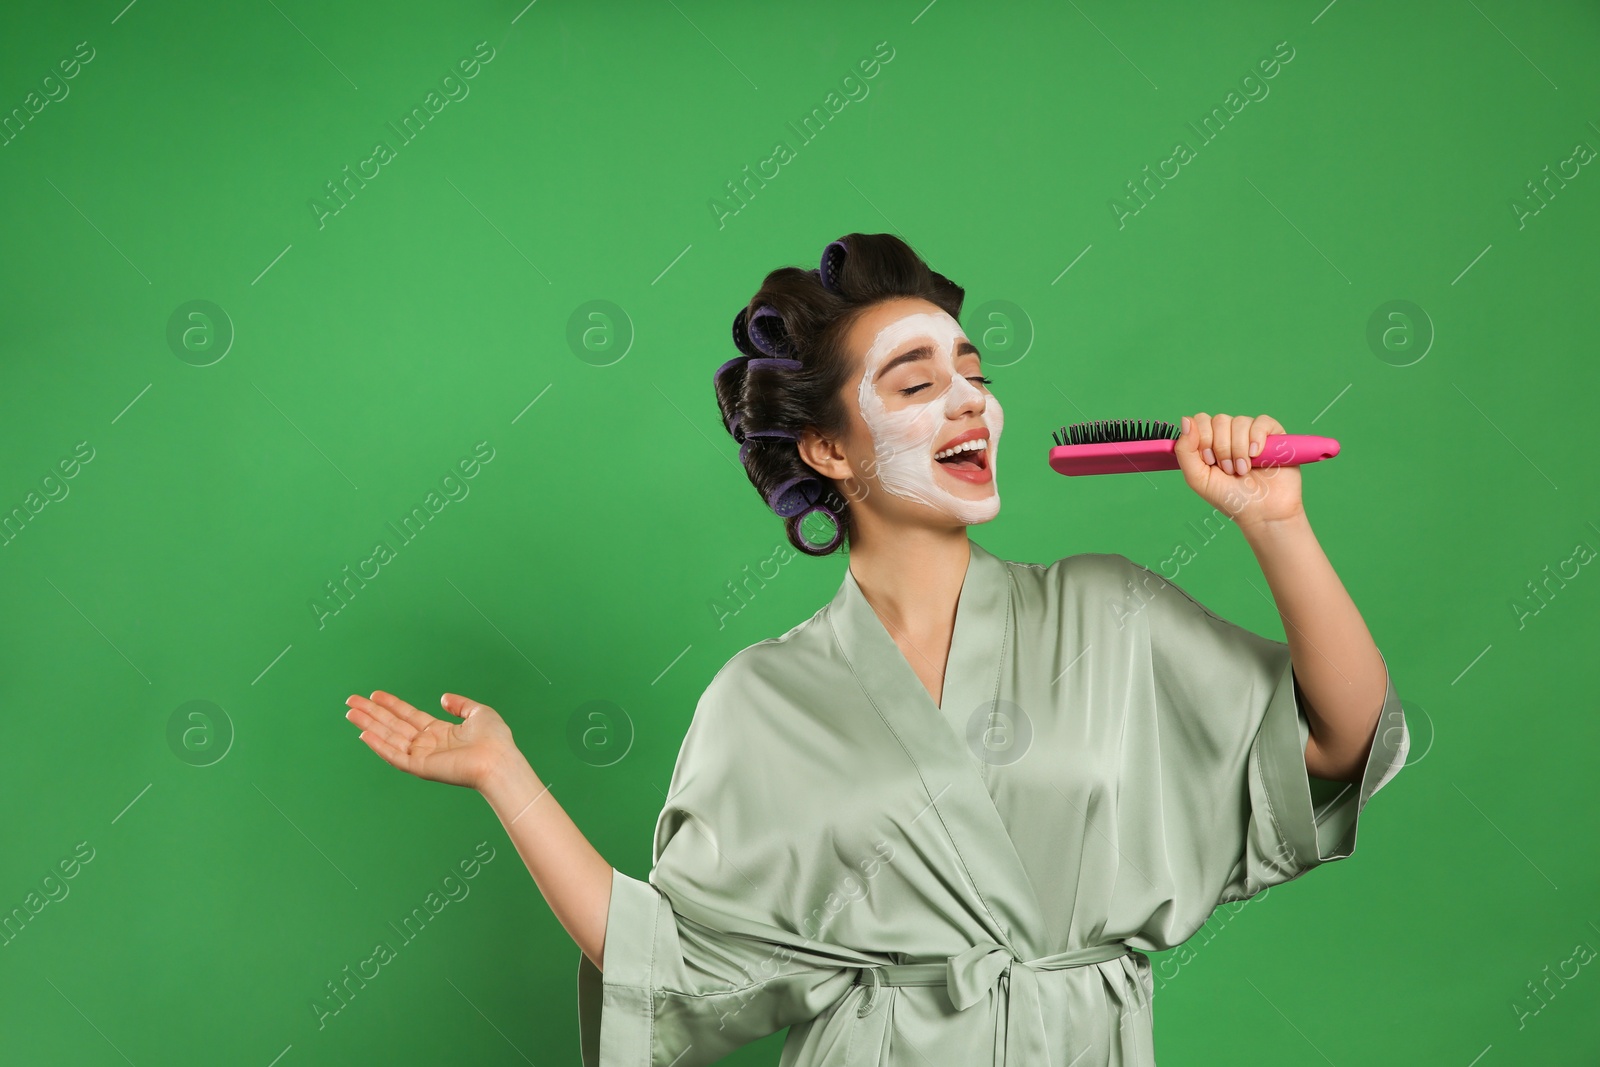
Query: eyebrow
x: 925, y: 351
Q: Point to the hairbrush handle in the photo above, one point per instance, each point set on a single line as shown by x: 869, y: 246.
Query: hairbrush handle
x: 1128, y: 457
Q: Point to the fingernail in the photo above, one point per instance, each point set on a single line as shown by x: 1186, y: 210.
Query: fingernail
x: 1210, y: 456
x: 1244, y: 464
x: 1186, y: 424
x: 1227, y: 465
x: 1255, y: 448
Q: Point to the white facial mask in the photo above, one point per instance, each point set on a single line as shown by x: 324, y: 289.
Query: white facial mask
x: 904, y: 439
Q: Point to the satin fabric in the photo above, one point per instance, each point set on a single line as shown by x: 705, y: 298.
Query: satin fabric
x: 1108, y: 763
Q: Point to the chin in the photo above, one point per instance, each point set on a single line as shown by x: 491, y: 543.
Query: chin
x: 974, y: 510
x: 964, y: 488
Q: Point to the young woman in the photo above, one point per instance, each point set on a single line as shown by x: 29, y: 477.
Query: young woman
x: 942, y: 820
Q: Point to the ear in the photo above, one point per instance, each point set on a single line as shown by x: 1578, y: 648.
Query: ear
x: 823, y: 454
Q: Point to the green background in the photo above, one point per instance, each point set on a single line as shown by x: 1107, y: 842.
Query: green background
x: 372, y: 352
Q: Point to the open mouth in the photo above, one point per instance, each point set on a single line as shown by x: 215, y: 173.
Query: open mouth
x: 966, y: 457
x: 969, y: 457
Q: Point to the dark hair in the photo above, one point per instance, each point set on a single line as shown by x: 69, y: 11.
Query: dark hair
x: 804, y: 315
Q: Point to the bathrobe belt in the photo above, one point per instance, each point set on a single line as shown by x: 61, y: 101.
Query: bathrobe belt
x: 969, y: 976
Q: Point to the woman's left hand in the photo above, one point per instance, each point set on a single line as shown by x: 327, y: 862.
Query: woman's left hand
x: 1214, y: 454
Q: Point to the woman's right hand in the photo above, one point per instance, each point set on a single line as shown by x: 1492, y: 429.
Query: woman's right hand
x: 461, y: 753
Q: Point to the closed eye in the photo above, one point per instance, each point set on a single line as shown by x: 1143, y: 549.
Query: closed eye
x: 924, y: 385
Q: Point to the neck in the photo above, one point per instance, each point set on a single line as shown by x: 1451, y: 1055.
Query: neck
x: 912, y: 577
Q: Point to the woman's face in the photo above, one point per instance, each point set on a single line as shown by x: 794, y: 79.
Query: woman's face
x: 918, y: 390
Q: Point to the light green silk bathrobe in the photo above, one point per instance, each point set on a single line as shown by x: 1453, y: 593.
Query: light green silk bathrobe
x: 903, y: 883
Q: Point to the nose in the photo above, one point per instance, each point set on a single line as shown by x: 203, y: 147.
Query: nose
x: 964, y: 399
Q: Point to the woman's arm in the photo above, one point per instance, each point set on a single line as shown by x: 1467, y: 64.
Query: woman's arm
x: 574, y: 878
x: 1336, y: 663
x: 480, y: 753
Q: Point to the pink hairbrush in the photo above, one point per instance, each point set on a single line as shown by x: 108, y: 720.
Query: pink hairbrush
x: 1126, y: 446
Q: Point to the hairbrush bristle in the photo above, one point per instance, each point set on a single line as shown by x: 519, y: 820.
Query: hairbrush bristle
x: 1106, y: 431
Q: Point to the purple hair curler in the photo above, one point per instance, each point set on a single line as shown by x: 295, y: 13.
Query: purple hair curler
x: 832, y: 264
x: 723, y: 369
x: 741, y: 336
x: 780, y: 361
x: 796, y: 495
x: 765, y: 327
x: 838, y: 529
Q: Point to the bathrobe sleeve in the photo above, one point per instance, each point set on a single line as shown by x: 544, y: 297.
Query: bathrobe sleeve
x: 677, y: 992
x: 1239, y: 803
x: 703, y: 958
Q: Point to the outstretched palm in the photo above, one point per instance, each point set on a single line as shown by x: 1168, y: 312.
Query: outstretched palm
x: 459, y: 753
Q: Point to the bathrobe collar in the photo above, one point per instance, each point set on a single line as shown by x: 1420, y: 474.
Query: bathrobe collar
x: 979, y: 649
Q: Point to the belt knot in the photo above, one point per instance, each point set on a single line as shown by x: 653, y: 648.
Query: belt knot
x: 970, y: 975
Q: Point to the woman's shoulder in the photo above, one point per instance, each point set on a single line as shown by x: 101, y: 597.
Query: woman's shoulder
x: 752, y: 699
x: 1104, y: 587
x: 1124, y: 586
x: 772, y: 665
x: 1083, y: 569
